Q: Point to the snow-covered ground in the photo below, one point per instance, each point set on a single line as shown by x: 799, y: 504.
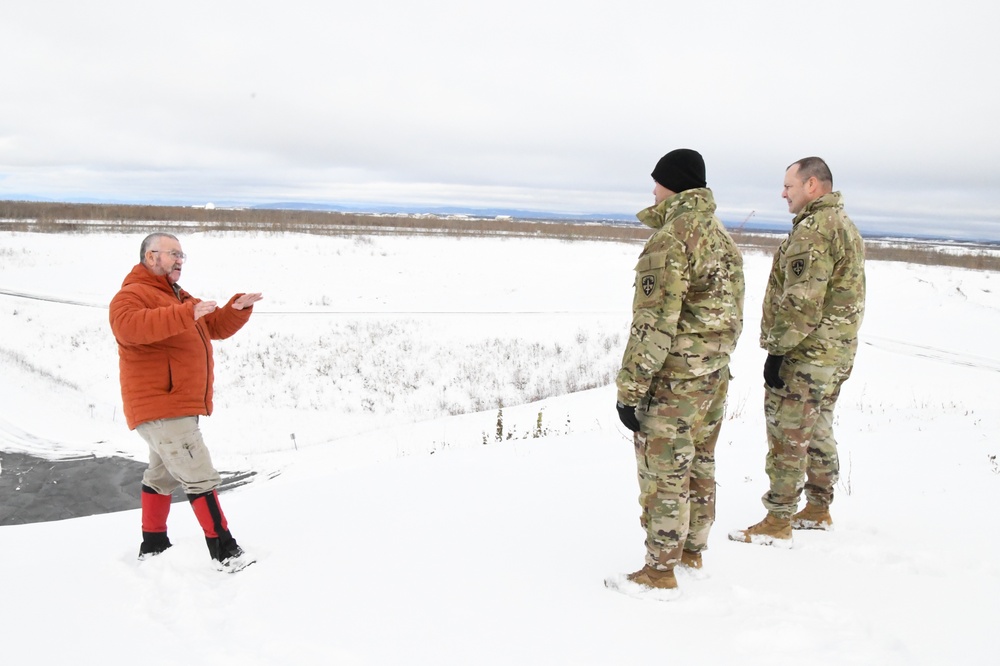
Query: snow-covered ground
x: 392, y: 527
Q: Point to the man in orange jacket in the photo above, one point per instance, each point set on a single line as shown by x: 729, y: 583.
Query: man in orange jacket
x: 164, y: 340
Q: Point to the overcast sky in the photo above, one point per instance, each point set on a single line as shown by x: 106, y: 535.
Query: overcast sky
x: 560, y: 106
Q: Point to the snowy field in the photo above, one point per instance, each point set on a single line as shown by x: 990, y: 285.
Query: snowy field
x: 392, y: 527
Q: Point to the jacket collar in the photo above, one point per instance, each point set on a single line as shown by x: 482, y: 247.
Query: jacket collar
x: 699, y: 200
x: 829, y: 200
x: 140, y: 275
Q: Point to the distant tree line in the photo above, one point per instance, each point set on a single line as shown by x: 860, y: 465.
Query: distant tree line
x: 49, y: 217
x: 52, y: 217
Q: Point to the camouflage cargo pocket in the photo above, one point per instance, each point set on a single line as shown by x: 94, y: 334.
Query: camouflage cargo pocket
x: 809, y: 381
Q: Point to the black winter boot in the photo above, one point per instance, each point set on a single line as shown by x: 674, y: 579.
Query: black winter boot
x: 223, y: 546
x: 226, y: 553
x: 153, y: 543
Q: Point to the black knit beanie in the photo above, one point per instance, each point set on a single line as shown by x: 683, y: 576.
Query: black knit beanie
x: 679, y: 170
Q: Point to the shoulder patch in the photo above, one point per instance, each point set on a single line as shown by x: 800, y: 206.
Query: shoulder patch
x: 648, y: 283
x: 797, y: 266
x: 648, y: 273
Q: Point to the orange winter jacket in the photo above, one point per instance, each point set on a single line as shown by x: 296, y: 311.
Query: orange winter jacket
x: 164, y: 355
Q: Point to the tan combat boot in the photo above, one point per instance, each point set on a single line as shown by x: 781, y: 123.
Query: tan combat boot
x: 690, y: 559
x: 772, y: 531
x: 655, y: 578
x: 813, y: 517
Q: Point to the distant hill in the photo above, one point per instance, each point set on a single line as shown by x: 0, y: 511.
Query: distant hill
x: 449, y: 211
x: 870, y: 229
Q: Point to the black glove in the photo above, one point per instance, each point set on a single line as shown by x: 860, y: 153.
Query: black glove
x: 627, y: 414
x: 772, y: 371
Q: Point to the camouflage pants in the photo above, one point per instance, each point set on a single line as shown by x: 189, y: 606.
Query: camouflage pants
x: 802, y: 452
x: 675, y: 455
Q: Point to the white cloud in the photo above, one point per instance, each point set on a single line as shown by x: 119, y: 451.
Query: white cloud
x: 543, y: 101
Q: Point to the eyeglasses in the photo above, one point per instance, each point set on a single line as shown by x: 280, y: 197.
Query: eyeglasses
x: 173, y: 253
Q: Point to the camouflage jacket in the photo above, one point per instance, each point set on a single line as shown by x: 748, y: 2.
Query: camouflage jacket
x: 687, y: 312
x: 815, y: 298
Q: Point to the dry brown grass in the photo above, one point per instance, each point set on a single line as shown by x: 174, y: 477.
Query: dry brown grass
x: 973, y: 256
x: 983, y: 259
x: 68, y: 218
x: 45, y: 217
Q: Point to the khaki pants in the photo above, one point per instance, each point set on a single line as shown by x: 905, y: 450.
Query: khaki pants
x: 675, y: 456
x: 177, y: 457
x: 802, y: 452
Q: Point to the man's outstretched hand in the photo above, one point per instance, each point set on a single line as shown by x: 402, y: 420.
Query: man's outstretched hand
x: 246, y: 301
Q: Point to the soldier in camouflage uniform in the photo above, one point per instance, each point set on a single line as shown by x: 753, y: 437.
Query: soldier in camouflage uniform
x: 813, y: 308
x: 687, y: 317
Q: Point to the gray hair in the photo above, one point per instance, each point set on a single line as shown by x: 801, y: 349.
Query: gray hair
x: 148, y: 240
x: 810, y: 167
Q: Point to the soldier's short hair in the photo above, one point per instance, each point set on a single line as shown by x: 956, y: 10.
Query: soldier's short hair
x: 813, y: 166
x: 148, y: 240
